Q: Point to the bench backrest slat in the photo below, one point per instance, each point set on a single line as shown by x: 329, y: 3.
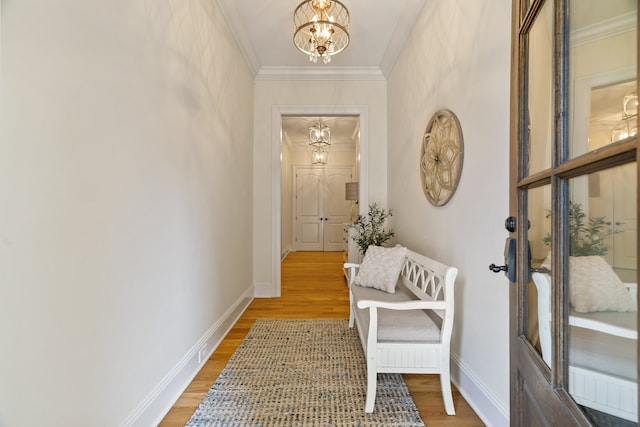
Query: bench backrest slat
x: 429, y: 280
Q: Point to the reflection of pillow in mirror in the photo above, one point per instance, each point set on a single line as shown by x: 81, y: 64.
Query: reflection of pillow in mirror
x: 594, y: 286
x: 381, y: 268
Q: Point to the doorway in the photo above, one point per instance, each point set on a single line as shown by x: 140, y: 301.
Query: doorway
x: 279, y: 218
x: 314, y: 209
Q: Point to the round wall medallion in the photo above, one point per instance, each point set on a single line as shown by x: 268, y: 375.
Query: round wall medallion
x: 441, y: 157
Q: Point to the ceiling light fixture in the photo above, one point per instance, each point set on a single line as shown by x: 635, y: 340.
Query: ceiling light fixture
x: 319, y: 134
x: 319, y: 157
x: 322, y: 28
x: 628, y: 126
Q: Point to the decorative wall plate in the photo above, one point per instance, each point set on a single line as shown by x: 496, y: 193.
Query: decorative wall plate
x: 441, y: 157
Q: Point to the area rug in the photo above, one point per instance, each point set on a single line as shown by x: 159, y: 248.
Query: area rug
x: 302, y: 373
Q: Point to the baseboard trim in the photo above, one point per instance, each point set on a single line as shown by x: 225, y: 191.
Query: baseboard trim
x: 263, y: 290
x: 162, y: 398
x: 483, y: 401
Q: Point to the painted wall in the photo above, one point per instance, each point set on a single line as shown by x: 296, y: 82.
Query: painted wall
x: 458, y: 57
x: 125, y: 205
x: 270, y: 94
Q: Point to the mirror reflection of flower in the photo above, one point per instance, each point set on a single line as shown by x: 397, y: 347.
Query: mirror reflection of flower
x: 369, y: 229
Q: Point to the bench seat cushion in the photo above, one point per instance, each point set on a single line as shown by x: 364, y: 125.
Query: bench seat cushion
x: 609, y: 354
x: 395, y: 325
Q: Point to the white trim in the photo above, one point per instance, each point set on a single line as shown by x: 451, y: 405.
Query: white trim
x: 161, y: 399
x: 362, y: 111
x: 604, y: 29
x: 324, y: 73
x: 230, y: 15
x: 480, y: 397
x: 263, y: 290
x: 401, y: 34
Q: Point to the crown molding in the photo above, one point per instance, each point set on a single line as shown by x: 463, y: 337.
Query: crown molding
x: 242, y: 41
x: 604, y: 29
x: 320, y: 73
x: 401, y: 34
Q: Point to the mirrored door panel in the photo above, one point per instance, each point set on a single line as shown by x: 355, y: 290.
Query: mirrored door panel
x: 539, y: 108
x: 603, y: 62
x: 602, y: 333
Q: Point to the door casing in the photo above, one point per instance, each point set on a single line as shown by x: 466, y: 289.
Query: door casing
x: 277, y: 112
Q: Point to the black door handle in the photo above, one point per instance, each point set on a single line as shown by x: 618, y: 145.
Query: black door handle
x: 497, y: 268
x: 509, y: 260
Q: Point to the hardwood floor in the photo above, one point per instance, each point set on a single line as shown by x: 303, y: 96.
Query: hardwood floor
x: 313, y: 287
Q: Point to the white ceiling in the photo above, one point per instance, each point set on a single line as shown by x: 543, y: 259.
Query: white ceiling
x: 264, y: 32
x: 344, y: 132
x: 378, y: 29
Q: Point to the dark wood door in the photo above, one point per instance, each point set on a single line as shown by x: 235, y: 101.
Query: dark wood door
x: 574, y: 199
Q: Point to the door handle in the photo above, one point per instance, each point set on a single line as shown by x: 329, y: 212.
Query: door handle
x: 510, y: 253
x: 509, y: 260
x: 497, y: 268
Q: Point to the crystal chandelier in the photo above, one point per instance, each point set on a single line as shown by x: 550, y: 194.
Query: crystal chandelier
x: 628, y: 126
x: 319, y: 134
x: 322, y: 28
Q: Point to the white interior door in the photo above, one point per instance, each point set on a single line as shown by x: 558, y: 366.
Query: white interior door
x: 309, y: 219
x: 321, y: 209
x: 336, y: 209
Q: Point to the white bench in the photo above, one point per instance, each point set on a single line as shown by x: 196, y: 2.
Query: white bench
x: 602, y: 354
x: 408, y: 331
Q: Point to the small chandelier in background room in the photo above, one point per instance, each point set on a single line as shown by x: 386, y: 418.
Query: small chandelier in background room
x: 628, y: 126
x: 322, y: 28
x: 319, y: 157
x: 319, y: 134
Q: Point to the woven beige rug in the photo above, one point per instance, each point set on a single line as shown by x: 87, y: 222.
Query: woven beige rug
x: 302, y: 373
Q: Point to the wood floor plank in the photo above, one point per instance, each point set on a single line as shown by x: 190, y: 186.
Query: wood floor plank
x: 313, y: 287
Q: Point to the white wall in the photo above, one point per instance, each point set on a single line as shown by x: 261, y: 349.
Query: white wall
x: 288, y: 95
x: 125, y: 205
x: 458, y: 58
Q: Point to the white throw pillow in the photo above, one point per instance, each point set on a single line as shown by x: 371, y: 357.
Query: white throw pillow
x: 594, y: 286
x: 381, y: 268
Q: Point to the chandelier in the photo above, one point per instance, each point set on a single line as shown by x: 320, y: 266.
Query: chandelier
x: 319, y: 157
x: 319, y: 134
x: 322, y: 28
x: 628, y: 126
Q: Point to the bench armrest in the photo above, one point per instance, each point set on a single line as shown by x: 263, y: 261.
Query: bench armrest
x: 353, y: 268
x: 403, y: 305
x: 582, y: 321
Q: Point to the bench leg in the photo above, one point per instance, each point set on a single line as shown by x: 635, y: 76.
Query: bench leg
x: 372, y: 379
x: 445, y: 386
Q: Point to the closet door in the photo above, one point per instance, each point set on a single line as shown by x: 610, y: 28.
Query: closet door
x: 321, y: 208
x: 309, y: 200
